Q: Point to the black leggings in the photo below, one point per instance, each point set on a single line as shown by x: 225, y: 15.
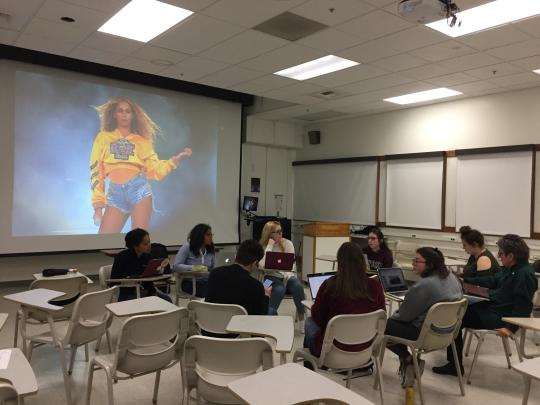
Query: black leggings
x: 405, y: 330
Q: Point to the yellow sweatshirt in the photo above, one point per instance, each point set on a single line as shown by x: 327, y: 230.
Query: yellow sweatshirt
x: 112, y: 151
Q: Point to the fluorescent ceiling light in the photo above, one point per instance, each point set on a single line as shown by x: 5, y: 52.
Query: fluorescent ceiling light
x: 537, y: 71
x: 423, y: 96
x: 487, y: 16
x: 317, y: 67
x: 143, y: 20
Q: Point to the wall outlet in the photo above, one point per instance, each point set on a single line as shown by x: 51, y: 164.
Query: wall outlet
x: 452, y: 238
x: 413, y: 235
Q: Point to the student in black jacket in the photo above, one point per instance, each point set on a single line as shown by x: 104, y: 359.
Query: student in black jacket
x: 234, y: 284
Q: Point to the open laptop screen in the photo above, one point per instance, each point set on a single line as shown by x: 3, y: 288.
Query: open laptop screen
x: 392, y: 279
x: 315, y: 281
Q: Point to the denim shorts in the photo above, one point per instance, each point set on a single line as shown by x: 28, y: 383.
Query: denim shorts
x: 125, y: 196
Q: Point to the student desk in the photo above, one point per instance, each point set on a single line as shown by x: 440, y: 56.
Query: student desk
x: 140, y: 306
x: 39, y: 276
x: 524, y: 324
x: 136, y: 282
x: 280, y: 328
x: 290, y: 384
x: 179, y: 276
x: 18, y: 372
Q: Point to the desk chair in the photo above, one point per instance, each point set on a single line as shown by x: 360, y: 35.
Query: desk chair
x: 529, y: 369
x: 355, y: 329
x: 213, y: 318
x: 104, y: 274
x: 8, y: 394
x: 210, y: 364
x: 72, y: 288
x: 147, y: 344
x: 440, y: 328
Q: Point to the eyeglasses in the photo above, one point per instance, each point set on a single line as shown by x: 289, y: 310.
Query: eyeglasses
x: 418, y: 261
x: 278, y: 231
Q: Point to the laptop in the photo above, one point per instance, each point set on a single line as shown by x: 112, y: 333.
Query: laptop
x: 279, y: 261
x: 225, y: 258
x: 315, y: 281
x: 154, y: 268
x: 475, y: 290
x: 393, y: 282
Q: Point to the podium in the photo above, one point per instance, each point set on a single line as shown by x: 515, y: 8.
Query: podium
x: 322, y: 239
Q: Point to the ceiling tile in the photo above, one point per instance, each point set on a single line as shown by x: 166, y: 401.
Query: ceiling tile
x: 305, y: 100
x: 8, y: 37
x: 451, y: 80
x: 517, y: 51
x: 369, y: 51
x: 20, y: 12
x: 380, y: 3
x: 150, y: 53
x: 54, y: 46
x: 415, y: 37
x: 530, y: 26
x: 53, y: 10
x: 399, y: 62
x: 332, y: 12
x: 475, y: 87
x: 193, y: 5
x: 96, y: 55
x: 139, y: 65
x: 299, y: 89
x: 516, y: 79
x: 374, y: 25
x: 57, y: 30
x: 493, y: 38
x: 281, y: 58
x: 267, y: 83
x: 427, y: 71
x: 443, y: 50
x: 196, y: 34
x: 246, y: 45
x: 193, y: 68
x: 531, y: 63
x: 350, y: 75
x: 230, y: 76
x: 248, y: 13
x: 489, y: 72
x: 112, y: 43
x: 108, y: 6
x: 376, y: 83
x: 329, y: 40
x: 472, y: 61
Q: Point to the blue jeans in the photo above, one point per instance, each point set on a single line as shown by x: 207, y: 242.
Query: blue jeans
x: 293, y: 287
x: 311, y: 329
x: 126, y: 196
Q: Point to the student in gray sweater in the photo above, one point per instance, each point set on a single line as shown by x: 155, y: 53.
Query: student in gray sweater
x: 437, y: 284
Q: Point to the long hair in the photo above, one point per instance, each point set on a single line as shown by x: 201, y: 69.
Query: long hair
x: 196, y: 239
x: 380, y: 236
x: 268, y: 228
x: 141, y: 123
x: 434, y: 262
x: 350, y: 281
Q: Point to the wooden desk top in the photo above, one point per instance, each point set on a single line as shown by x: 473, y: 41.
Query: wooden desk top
x: 292, y: 384
x: 526, y: 323
x: 37, y: 298
x: 140, y: 306
x: 280, y: 328
x: 18, y: 371
x: 39, y: 276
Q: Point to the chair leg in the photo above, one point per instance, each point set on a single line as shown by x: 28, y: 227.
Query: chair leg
x: 458, y: 368
x: 349, y: 375
x: 518, y: 349
x: 379, y: 378
x: 109, y: 344
x: 480, y: 338
x: 156, y: 387
x: 16, y: 334
x: 89, y: 382
x: 98, y: 344
x: 380, y: 360
x: 72, y: 358
x: 467, y: 338
x: 30, y: 350
x: 418, y: 377
x: 86, y: 357
x: 65, y: 375
x: 110, y: 396
x: 526, y: 390
x: 507, y: 352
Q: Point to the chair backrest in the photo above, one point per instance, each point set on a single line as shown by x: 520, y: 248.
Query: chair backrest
x: 214, y: 317
x: 72, y: 287
x: 210, y: 364
x: 149, y: 342
x: 352, y: 329
x: 441, y: 325
x: 7, y: 392
x: 104, y: 275
x: 89, y: 318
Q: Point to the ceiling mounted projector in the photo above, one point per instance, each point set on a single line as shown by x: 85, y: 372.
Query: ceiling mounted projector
x: 427, y: 11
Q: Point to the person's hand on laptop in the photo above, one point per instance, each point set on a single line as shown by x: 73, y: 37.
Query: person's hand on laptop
x: 268, y: 291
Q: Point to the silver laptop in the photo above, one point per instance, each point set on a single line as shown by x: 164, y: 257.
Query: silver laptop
x: 225, y: 258
x: 393, y: 282
x: 315, y: 281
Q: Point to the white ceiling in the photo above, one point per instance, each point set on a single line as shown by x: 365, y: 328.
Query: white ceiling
x: 217, y: 47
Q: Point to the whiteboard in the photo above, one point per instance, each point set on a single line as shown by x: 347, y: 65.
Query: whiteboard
x: 339, y: 192
x: 494, y: 192
x: 414, y: 192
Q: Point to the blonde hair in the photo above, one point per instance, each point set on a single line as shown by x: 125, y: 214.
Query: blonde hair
x: 268, y: 228
x: 141, y: 123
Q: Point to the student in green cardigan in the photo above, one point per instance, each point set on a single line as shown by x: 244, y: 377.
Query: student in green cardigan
x: 481, y: 261
x: 511, y: 292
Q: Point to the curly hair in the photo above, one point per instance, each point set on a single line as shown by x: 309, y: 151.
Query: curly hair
x: 141, y: 123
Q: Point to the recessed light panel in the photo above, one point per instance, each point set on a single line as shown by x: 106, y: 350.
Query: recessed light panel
x: 427, y: 95
x: 317, y: 67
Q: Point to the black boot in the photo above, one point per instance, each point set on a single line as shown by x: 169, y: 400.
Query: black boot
x: 447, y: 369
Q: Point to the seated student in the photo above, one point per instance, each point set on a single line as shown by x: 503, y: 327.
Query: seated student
x: 272, y: 240
x: 481, y: 261
x: 131, y: 262
x: 511, y: 292
x: 350, y: 291
x: 234, y: 285
x: 377, y: 251
x: 437, y: 284
x: 198, y: 251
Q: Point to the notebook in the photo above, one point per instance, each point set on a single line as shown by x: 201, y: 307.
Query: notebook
x: 315, y: 281
x: 279, y: 261
x: 154, y: 268
x: 393, y: 282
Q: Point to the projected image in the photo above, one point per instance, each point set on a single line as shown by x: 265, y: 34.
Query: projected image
x: 91, y: 158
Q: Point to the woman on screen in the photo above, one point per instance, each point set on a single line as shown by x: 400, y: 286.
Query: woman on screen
x: 124, y: 152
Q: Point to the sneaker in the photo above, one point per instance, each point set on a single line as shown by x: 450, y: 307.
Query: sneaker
x: 447, y: 369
